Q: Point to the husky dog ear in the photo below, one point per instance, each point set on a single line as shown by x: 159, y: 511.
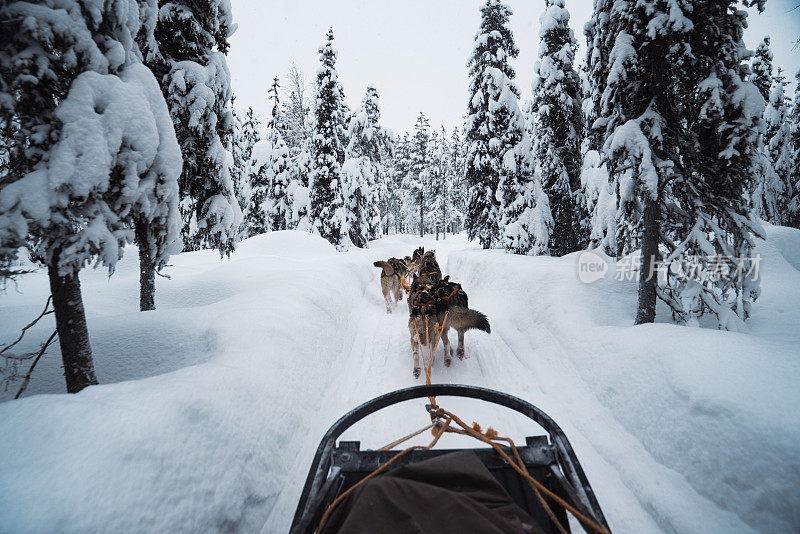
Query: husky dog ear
x: 446, y: 278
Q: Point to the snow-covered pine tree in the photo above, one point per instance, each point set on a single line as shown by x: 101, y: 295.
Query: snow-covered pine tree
x: 93, y: 163
x: 247, y: 134
x: 559, y: 129
x: 399, y: 173
x: 415, y: 180
x: 492, y: 116
x: 456, y: 184
x: 327, y: 213
x: 278, y: 120
x: 793, y: 194
x: 764, y: 191
x: 676, y: 180
x: 775, y: 189
x: 762, y: 68
x: 188, y: 58
x: 298, y: 192
x: 363, y: 169
x: 722, y: 162
x: 271, y: 174
x: 599, y: 194
x: 436, y: 204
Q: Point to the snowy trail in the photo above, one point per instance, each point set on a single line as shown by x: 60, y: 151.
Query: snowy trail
x: 521, y: 357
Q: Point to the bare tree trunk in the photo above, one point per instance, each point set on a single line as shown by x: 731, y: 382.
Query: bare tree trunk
x: 444, y: 217
x: 73, y: 335
x: 147, y: 270
x: 648, y: 277
x: 421, y: 219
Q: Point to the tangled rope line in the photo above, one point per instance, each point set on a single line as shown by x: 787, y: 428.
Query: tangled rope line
x: 404, y: 280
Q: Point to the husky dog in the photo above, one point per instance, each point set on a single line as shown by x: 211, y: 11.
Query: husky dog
x: 391, y: 272
x: 440, y: 305
x: 428, y: 271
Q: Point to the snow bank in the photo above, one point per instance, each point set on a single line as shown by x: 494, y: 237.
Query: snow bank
x: 204, y: 448
x: 713, y: 414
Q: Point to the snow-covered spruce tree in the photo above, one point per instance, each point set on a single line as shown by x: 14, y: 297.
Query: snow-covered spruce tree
x: 94, y: 162
x: 762, y: 68
x: 763, y: 193
x: 635, y: 69
x: 246, y: 135
x: 298, y: 192
x: 415, y: 180
x: 721, y: 165
x: 775, y: 189
x: 328, y: 213
x: 491, y: 129
x: 400, y: 171
x: 188, y: 59
x: 676, y: 181
x: 271, y: 174
x: 436, y: 184
x: 456, y: 184
x: 559, y: 129
x: 363, y: 170
x: 793, y: 194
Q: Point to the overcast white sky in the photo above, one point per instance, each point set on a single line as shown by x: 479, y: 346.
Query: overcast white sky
x: 415, y: 51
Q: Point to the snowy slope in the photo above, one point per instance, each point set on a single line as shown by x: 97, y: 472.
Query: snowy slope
x: 223, y: 392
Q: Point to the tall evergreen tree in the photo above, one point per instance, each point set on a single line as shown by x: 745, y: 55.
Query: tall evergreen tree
x: 762, y: 68
x: 364, y: 169
x: 328, y: 214
x: 302, y: 165
x: 489, y: 118
x: 776, y: 188
x: 764, y: 193
x: 246, y: 135
x: 271, y: 173
x: 399, y: 173
x: 187, y: 56
x: 457, y: 187
x: 793, y: 194
x: 93, y: 163
x: 559, y: 129
x: 418, y: 171
x: 679, y: 129
x: 436, y: 185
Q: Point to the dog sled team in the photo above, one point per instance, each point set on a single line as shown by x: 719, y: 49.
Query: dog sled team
x: 435, y: 304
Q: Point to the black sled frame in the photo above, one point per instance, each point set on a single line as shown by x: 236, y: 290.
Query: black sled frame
x: 549, y: 459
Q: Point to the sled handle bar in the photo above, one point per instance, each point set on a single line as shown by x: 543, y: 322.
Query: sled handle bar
x: 564, y: 453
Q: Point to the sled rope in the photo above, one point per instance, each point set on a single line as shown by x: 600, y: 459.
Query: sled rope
x: 522, y: 472
x: 427, y: 359
x: 490, y: 437
x: 404, y: 280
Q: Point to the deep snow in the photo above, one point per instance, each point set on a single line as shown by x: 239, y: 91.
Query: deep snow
x: 212, y: 406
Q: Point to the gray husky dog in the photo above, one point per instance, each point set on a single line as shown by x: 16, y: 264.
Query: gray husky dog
x: 391, y: 272
x: 436, y: 305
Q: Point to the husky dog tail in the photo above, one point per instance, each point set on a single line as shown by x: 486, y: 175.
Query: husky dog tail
x: 463, y: 319
x: 388, y: 270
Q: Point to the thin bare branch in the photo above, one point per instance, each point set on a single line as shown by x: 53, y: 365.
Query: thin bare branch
x: 45, y: 311
x: 41, y: 352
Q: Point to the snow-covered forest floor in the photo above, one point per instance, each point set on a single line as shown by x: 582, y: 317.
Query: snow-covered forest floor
x: 211, y: 407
